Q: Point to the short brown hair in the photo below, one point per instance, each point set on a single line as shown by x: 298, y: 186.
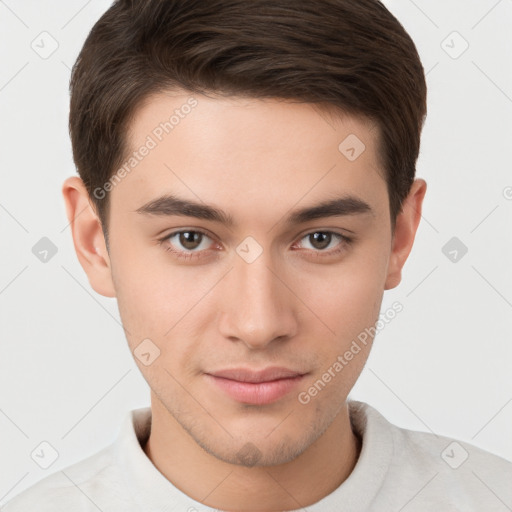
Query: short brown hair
x: 345, y: 56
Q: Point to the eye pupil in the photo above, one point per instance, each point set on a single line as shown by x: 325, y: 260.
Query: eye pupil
x: 324, y: 239
x: 189, y: 239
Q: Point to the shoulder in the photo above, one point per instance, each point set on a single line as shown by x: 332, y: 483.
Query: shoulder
x: 421, y: 449
x: 81, y: 486
x: 438, y: 470
x: 98, y: 482
x: 455, y: 471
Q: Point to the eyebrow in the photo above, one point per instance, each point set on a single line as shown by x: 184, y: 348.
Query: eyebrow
x: 169, y: 205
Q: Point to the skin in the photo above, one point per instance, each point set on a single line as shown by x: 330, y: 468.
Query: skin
x: 294, y: 306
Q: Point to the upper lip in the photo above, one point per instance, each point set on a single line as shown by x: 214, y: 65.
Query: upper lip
x: 265, y: 375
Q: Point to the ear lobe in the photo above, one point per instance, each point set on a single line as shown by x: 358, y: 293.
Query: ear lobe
x: 88, y: 237
x: 407, y: 223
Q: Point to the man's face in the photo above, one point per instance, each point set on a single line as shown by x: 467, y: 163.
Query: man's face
x: 262, y: 292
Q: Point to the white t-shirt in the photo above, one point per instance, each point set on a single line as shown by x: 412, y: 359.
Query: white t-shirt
x: 397, y: 470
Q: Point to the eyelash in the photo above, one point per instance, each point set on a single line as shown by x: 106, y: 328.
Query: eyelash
x: 344, y: 242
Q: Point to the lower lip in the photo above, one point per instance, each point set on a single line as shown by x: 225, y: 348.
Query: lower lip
x: 259, y: 393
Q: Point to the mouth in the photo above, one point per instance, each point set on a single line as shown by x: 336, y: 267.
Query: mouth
x: 256, y: 387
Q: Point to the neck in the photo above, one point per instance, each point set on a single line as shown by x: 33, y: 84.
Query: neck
x: 317, y: 472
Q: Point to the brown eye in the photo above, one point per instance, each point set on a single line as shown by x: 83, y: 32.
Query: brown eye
x: 190, y: 239
x: 320, y: 239
x: 187, y: 242
x: 324, y: 244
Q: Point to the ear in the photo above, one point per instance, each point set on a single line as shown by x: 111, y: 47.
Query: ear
x: 405, y: 231
x: 88, y: 237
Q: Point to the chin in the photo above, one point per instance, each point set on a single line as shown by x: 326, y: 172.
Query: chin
x: 255, y: 453
x: 250, y: 448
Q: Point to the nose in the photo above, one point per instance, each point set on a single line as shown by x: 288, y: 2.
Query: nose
x: 257, y: 305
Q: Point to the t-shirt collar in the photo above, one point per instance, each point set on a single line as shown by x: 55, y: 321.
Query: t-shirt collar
x: 152, y: 491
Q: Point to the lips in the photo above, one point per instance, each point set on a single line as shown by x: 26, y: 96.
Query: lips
x: 256, y: 387
x: 266, y: 375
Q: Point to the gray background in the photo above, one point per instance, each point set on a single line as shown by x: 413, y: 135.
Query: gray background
x: 442, y: 365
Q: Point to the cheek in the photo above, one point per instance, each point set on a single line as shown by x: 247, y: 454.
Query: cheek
x: 348, y: 297
x: 349, y: 304
x: 146, y: 299
x: 153, y: 312
x: 161, y: 302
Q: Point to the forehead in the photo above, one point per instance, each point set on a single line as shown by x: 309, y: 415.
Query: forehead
x: 255, y: 118
x: 246, y: 151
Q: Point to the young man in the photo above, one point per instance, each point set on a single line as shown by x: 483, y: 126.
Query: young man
x: 247, y: 192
